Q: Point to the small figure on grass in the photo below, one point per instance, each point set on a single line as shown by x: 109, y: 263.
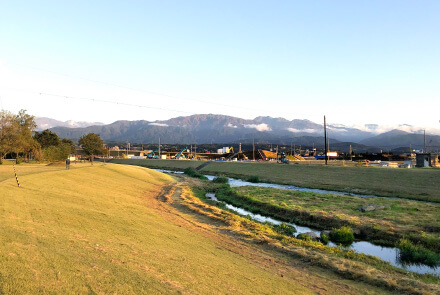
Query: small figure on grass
x: 68, y: 163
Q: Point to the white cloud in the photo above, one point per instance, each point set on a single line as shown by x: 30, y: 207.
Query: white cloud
x: 337, y: 128
x: 158, y: 124
x: 259, y: 127
x: 231, y: 126
x: 373, y: 128
x: 378, y: 129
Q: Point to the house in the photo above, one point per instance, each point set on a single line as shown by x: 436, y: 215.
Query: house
x: 427, y: 160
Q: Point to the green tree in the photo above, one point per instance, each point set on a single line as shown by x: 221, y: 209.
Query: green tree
x: 47, y: 138
x: 26, y: 125
x: 53, y: 149
x: 92, y: 145
x: 56, y: 153
x: 16, y: 134
x: 70, y: 144
x: 8, y: 133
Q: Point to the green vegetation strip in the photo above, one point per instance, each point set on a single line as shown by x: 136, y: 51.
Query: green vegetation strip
x: 268, y: 202
x: 416, y: 221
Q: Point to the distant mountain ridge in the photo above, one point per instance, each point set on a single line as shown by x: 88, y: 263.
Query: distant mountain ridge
x: 398, y: 138
x: 212, y: 128
x: 44, y: 123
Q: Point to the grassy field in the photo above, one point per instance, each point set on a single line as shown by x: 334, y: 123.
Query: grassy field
x: 102, y: 229
x: 417, y: 184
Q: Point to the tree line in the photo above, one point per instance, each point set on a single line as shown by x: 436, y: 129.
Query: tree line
x: 20, y: 141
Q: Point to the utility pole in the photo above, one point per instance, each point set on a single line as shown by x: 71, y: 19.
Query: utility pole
x: 291, y: 149
x: 253, y: 147
x: 159, y: 147
x: 195, y: 147
x: 294, y: 149
x: 325, y: 142
x: 424, y: 140
x: 351, y: 153
x: 328, y: 143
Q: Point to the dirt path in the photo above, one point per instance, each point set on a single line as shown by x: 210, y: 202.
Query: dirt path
x: 173, y: 204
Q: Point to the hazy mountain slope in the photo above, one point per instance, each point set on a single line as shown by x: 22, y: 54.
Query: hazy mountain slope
x: 397, y: 138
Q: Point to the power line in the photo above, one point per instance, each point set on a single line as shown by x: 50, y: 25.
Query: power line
x: 205, y: 101
x: 113, y: 102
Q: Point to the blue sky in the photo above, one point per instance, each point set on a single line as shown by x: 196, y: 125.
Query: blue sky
x: 356, y: 62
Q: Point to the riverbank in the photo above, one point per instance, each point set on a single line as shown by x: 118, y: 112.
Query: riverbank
x: 397, y: 219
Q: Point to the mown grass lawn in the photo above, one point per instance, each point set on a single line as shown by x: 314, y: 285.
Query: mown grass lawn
x: 92, y: 229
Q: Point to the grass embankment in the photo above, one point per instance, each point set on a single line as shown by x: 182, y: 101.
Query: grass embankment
x: 7, y: 171
x: 417, y: 184
x: 178, y: 165
x: 96, y: 229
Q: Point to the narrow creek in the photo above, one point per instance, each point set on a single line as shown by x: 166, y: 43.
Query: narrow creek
x: 389, y: 254
x: 239, y: 182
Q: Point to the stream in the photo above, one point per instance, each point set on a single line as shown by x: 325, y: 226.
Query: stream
x: 238, y: 182
x: 389, y: 254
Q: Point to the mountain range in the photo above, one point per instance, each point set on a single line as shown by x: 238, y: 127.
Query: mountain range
x: 44, y: 123
x: 210, y: 128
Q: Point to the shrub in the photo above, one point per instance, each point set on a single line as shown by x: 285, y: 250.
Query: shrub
x: 417, y: 253
x: 304, y: 237
x: 190, y: 172
x: 220, y: 180
x: 284, y: 229
x: 253, y: 179
x: 324, y: 239
x: 343, y: 235
x: 193, y: 173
